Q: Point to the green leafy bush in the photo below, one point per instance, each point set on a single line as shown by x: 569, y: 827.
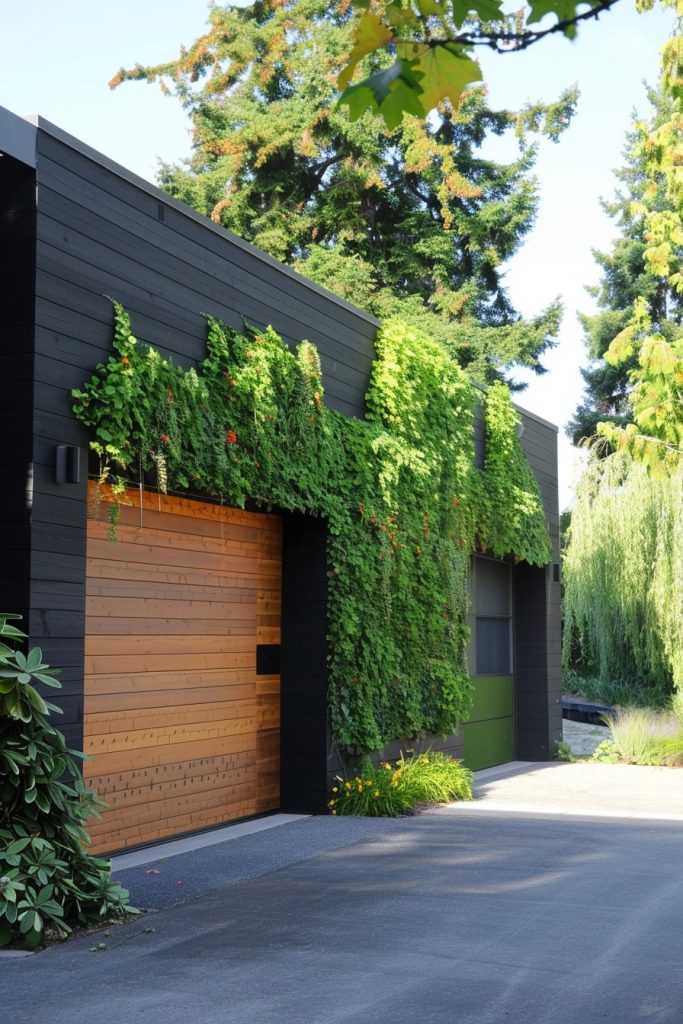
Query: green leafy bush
x: 46, y: 878
x: 390, y: 789
x: 633, y: 692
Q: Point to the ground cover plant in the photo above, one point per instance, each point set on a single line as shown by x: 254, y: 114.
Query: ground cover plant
x: 405, y: 504
x: 393, y: 788
x: 47, y: 880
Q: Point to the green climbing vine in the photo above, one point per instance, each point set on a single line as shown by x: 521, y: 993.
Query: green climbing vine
x: 404, y: 503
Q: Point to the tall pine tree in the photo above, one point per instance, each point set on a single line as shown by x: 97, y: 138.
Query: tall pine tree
x: 627, y: 277
x: 415, y: 222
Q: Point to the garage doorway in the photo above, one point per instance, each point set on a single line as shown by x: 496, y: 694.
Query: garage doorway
x: 183, y: 731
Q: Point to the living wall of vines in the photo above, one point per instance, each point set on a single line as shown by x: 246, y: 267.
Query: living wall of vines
x: 623, y: 575
x: 404, y: 503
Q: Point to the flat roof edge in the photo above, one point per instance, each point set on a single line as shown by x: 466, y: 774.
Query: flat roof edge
x: 41, y: 124
x: 18, y: 137
x: 534, y: 416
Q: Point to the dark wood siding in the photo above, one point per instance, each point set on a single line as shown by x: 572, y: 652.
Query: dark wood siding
x: 102, y: 232
x: 17, y: 303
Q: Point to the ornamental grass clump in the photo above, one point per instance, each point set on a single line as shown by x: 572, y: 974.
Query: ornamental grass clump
x: 642, y: 736
x: 390, y: 789
x: 47, y: 880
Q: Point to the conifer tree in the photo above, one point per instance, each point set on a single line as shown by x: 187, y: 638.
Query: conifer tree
x: 629, y: 282
x: 416, y: 221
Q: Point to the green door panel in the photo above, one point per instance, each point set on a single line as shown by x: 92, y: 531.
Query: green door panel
x: 488, y: 743
x: 493, y: 697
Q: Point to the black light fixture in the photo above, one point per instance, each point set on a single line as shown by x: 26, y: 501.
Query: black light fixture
x: 556, y: 572
x: 67, y: 464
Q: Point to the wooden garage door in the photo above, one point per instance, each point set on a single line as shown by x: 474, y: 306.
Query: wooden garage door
x: 182, y: 732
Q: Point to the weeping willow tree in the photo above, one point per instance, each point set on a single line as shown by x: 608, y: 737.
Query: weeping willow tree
x: 623, y: 573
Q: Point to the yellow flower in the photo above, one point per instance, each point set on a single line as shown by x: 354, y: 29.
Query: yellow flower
x: 348, y: 785
x: 331, y: 803
x: 334, y: 812
x: 335, y: 789
x: 376, y: 793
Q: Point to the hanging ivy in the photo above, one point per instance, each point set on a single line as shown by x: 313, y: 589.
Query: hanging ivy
x: 404, y: 503
x: 623, y: 575
x: 511, y: 517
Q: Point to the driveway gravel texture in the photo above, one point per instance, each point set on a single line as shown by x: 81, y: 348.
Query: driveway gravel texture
x: 463, y: 913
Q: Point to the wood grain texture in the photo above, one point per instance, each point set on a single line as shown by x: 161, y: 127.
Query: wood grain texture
x: 182, y: 733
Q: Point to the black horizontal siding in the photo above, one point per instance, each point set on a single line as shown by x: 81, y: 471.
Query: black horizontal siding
x: 17, y: 304
x: 100, y: 234
x: 538, y: 648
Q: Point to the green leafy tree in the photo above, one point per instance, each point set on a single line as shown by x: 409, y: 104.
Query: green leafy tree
x: 423, y: 50
x: 415, y: 221
x: 627, y: 280
x: 653, y: 337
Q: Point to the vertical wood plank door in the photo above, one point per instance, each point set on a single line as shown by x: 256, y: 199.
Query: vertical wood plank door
x: 182, y: 732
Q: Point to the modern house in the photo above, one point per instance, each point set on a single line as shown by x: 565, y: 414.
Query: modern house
x: 193, y: 653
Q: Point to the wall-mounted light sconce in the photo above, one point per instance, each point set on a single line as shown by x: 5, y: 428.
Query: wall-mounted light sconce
x: 67, y: 464
x: 556, y: 572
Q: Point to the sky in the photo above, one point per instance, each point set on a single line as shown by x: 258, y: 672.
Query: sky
x: 56, y: 60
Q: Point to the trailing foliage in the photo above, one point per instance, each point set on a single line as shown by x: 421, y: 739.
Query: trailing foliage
x: 414, y: 223
x: 511, y: 517
x: 399, y: 490
x: 46, y: 878
x: 387, y: 790
x: 623, y: 575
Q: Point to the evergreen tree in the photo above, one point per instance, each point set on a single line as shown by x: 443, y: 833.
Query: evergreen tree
x: 627, y: 279
x: 414, y: 221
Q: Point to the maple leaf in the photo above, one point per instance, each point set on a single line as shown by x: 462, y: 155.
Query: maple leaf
x: 371, y: 34
x: 485, y: 10
x: 445, y: 69
x: 564, y: 9
x: 390, y: 93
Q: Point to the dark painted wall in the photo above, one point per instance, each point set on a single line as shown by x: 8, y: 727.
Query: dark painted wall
x: 102, y: 232
x: 17, y: 276
x: 304, y: 733
x: 538, y: 641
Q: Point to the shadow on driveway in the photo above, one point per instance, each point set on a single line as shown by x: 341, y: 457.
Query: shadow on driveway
x: 428, y: 920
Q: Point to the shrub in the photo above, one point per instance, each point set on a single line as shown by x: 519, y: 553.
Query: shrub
x: 646, y: 737
x: 46, y: 878
x: 619, y: 693
x: 388, y: 790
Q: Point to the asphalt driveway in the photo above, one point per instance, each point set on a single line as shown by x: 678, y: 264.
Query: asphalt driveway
x: 445, y: 917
